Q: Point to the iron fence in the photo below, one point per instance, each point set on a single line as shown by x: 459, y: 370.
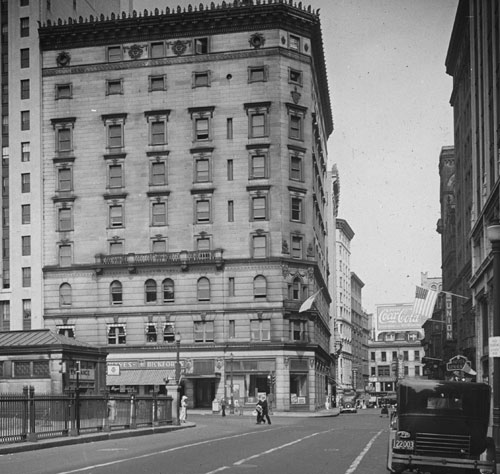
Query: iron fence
x: 30, y: 417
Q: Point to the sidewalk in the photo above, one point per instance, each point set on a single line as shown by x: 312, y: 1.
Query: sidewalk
x: 102, y: 436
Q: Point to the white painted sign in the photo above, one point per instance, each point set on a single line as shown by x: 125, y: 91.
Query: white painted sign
x: 494, y: 346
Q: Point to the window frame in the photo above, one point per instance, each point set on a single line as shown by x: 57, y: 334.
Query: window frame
x: 114, y: 53
x: 65, y: 260
x: 116, y: 220
x: 24, y: 88
x: 115, y: 122
x: 64, y: 91
x: 117, y: 334
x: 159, y: 219
x: 254, y: 76
x: 157, y: 117
x: 114, y: 86
x: 165, y: 284
x: 150, y: 291
x: 260, y: 287
x: 203, y: 331
x: 25, y: 183
x: 24, y: 55
x: 25, y: 120
x: 198, y: 212
x: 115, y: 293
x: 296, y: 252
x: 256, y: 251
x: 65, y: 295
x: 65, y: 224
x: 201, y: 79
x: 155, y: 80
x: 254, y: 110
x: 155, y: 163
x: 203, y: 289
x: 199, y: 114
x: 25, y: 155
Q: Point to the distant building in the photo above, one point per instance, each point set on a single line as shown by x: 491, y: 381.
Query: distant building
x: 344, y: 234
x: 184, y: 168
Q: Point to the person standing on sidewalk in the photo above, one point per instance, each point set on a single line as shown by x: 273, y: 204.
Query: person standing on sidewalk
x: 223, y: 405
x: 183, y: 414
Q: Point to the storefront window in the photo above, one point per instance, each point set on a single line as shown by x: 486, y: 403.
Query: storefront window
x: 298, y: 389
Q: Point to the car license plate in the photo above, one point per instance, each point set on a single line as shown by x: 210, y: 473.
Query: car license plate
x: 407, y: 445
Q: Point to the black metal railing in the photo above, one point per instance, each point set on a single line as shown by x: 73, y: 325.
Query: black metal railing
x: 30, y: 417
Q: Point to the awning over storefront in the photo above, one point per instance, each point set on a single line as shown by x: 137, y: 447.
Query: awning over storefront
x: 140, y: 377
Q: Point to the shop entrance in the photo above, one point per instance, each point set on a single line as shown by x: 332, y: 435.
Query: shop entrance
x: 204, y: 390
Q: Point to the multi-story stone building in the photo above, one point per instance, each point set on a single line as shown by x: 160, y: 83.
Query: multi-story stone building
x: 360, y: 336
x: 21, y: 265
x: 473, y: 61
x: 184, y: 167
x: 344, y: 235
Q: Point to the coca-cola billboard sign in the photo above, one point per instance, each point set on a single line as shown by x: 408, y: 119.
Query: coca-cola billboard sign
x: 397, y: 317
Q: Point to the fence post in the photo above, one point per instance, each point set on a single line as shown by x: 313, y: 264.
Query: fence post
x: 25, y: 413
x: 133, y: 414
x: 32, y: 434
x: 72, y: 414
x: 155, y: 408
x: 106, y: 424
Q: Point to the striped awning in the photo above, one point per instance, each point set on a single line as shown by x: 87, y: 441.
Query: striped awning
x: 140, y: 377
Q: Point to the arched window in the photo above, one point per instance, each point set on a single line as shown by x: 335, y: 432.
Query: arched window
x: 168, y: 289
x: 150, y: 290
x: 65, y: 295
x: 260, y: 286
x: 116, y: 291
x: 203, y: 289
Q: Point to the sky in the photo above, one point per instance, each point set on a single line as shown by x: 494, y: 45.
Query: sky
x: 390, y: 103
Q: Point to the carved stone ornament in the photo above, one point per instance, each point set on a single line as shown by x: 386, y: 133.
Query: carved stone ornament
x: 257, y: 40
x: 135, y: 51
x: 63, y: 59
x: 296, y: 95
x: 179, y: 47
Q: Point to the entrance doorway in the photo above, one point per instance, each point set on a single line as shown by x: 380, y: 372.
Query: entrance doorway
x: 204, y: 390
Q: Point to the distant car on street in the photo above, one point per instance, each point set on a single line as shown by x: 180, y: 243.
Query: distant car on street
x: 348, y: 402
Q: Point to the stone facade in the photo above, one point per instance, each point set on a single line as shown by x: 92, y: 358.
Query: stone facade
x: 184, y: 174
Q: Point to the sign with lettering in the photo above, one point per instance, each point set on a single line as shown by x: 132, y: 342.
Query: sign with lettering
x: 458, y: 362
x: 140, y: 364
x: 494, y: 346
x: 397, y: 317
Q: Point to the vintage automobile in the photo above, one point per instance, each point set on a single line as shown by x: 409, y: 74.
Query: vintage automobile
x: 440, y: 427
x: 348, y: 402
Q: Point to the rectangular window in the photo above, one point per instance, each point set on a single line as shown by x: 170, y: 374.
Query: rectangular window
x: 4, y: 316
x: 297, y: 248
x: 25, y: 27
x: 202, y: 244
x: 25, y: 182
x: 294, y: 42
x: 64, y: 179
x: 116, y: 247
x: 25, y: 151
x: 157, y: 50
x: 202, y: 129
x: 116, y: 334
x: 202, y: 170
x: 116, y: 215
x: 298, y: 330
x: 231, y: 286
x: 295, y: 77
x: 156, y: 83
x: 5, y: 186
x: 5, y: 124
x: 64, y: 139
x: 258, y: 125
x: 201, y: 45
x: 25, y: 120
x: 259, y: 246
x: 114, y: 53
x: 230, y: 173
x: 229, y: 128
x: 63, y: 91
x: 115, y: 176
x: 159, y: 246
x: 25, y: 58
x: 259, y: 208
x: 115, y: 136
x: 257, y: 74
x: 405, y: 356
x: 372, y: 356
x: 25, y: 89
x: 384, y: 356
x: 417, y: 356
x: 296, y: 209
x: 159, y: 213
x: 202, y: 210
x: 24, y: 3
x: 27, y: 314
x: 384, y: 370
x: 65, y: 220
x: 296, y: 168
x: 417, y: 370
x: 260, y: 330
x: 151, y: 334
x: 65, y: 255
x: 295, y: 130
x: 201, y: 79
x: 169, y: 333
x: 232, y: 328
x: 158, y: 132
x: 26, y: 245
x: 258, y: 168
x: 203, y: 331
x: 68, y: 331
x: 114, y: 87
x: 26, y: 214
x: 158, y: 173
x: 230, y: 211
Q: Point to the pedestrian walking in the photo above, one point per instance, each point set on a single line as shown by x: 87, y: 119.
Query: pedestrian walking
x: 183, y: 413
x: 265, y: 410
x: 259, y: 412
x: 223, y: 406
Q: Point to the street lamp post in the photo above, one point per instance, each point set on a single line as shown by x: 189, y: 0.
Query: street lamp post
x: 178, y: 374
x: 231, y: 408
x: 493, y: 234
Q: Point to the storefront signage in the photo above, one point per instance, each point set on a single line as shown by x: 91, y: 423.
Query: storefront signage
x: 494, y: 346
x: 85, y: 374
x: 457, y: 363
x: 186, y: 364
x: 449, y: 318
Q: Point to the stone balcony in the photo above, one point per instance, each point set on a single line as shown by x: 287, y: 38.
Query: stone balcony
x: 183, y: 259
